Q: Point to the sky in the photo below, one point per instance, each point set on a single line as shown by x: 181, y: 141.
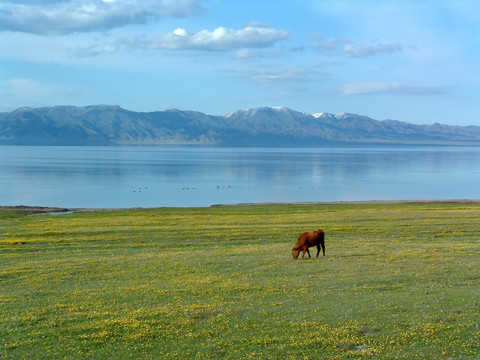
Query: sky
x: 408, y: 60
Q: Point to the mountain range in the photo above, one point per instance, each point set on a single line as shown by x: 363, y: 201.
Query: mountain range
x: 265, y: 126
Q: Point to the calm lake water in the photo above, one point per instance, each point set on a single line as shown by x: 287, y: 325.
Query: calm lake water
x: 109, y: 177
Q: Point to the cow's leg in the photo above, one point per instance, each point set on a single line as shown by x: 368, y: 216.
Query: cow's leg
x: 318, y: 250
x: 308, y: 251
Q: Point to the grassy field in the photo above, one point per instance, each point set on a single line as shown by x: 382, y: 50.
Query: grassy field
x: 400, y: 281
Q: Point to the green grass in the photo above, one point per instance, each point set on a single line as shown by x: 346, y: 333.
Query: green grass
x: 400, y: 281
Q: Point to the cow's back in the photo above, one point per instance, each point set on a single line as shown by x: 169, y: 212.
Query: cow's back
x: 307, y: 238
x: 313, y: 238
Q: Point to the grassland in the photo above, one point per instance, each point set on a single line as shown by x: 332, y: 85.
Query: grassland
x: 400, y: 281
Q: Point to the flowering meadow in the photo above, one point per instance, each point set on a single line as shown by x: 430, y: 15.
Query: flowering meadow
x: 399, y: 281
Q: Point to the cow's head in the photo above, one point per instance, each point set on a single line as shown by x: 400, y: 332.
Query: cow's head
x: 295, y: 253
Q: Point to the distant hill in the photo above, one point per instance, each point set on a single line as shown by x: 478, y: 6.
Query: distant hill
x: 265, y: 126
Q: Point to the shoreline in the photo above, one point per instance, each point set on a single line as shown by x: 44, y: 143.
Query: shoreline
x: 32, y: 210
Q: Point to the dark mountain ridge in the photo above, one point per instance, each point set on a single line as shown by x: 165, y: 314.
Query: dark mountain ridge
x: 265, y: 126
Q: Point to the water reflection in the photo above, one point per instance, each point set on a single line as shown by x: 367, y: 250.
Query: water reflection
x: 201, y: 176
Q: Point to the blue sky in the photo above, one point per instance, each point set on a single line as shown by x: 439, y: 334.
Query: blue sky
x: 408, y: 60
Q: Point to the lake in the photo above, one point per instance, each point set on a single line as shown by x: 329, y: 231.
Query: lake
x: 112, y: 177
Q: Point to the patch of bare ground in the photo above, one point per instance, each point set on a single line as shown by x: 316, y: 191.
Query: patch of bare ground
x: 29, y: 210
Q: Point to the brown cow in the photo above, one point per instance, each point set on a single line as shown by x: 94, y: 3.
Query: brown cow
x: 309, y: 239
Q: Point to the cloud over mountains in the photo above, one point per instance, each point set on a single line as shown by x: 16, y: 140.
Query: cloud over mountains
x: 370, y: 57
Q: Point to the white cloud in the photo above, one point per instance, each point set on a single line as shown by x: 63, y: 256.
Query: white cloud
x: 45, y: 17
x: 272, y: 77
x: 219, y: 39
x: 343, y: 47
x: 253, y: 54
x: 327, y: 45
x: 370, y: 50
x: 180, y: 32
x: 391, y: 88
x: 278, y: 76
